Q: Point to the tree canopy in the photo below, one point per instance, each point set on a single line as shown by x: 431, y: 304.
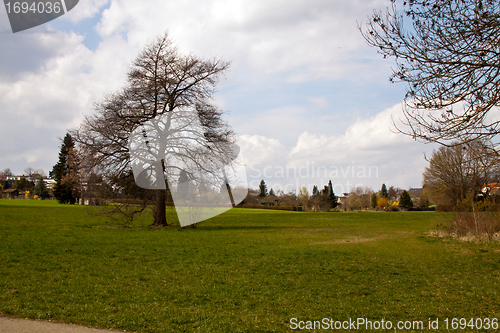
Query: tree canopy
x: 453, y: 173
x: 447, y: 52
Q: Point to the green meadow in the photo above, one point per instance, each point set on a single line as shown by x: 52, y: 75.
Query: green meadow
x: 243, y: 271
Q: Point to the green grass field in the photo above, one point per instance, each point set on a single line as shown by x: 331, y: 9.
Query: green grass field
x: 243, y: 271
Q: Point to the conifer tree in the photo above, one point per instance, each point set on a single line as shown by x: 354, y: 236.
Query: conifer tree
x: 262, y: 189
x: 374, y: 200
x: 383, y: 191
x: 332, y: 198
x: 405, y: 200
x: 63, y: 192
x: 315, y: 191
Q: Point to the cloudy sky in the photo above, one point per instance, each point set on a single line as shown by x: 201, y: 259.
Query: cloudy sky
x: 308, y: 99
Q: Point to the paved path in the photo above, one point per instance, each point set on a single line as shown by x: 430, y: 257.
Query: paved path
x: 13, y: 325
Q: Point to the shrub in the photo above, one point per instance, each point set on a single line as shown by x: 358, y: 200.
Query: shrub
x: 477, y: 226
x: 382, y: 202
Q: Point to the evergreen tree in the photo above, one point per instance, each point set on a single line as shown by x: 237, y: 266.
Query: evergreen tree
x: 328, y: 195
x: 405, y: 200
x: 330, y: 188
x: 262, y: 189
x: 41, y: 190
x: 374, y: 200
x: 315, y: 191
x: 271, y: 193
x: 383, y: 191
x: 63, y: 192
x: 332, y: 198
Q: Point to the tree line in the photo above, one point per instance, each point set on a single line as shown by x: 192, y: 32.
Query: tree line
x: 359, y: 198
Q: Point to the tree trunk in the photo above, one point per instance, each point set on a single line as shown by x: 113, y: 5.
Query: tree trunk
x: 161, y: 196
x: 160, y: 219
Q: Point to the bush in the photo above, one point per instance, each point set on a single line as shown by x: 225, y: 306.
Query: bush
x: 477, y: 226
x: 468, y: 205
x: 444, y: 208
x: 393, y: 208
x: 382, y: 202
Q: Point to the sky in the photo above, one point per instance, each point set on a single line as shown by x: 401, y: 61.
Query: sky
x: 309, y: 100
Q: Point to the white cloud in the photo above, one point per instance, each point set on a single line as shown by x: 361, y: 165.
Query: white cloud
x: 260, y: 149
x: 314, y: 39
x: 319, y: 102
x: 49, y: 90
x: 48, y: 81
x: 369, y: 153
x: 85, y: 9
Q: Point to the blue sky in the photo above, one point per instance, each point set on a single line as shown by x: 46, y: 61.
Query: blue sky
x: 303, y: 91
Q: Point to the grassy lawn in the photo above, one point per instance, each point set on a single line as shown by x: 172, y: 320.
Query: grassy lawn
x: 242, y: 271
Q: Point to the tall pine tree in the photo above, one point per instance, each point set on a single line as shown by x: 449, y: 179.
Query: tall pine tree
x: 405, y: 200
x: 383, y: 191
x: 262, y: 189
x: 63, y: 192
x: 332, y: 198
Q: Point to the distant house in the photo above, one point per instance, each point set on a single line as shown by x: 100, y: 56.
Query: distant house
x: 49, y: 183
x: 11, y: 193
x: 491, y: 189
x: 343, y: 199
x: 416, y: 192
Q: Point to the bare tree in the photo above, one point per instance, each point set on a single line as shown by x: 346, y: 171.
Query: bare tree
x: 161, y: 81
x: 448, y: 56
x: 359, y: 198
x: 29, y: 171
x: 40, y: 173
x: 455, y: 172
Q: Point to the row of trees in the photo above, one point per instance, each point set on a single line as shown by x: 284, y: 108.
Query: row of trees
x: 325, y: 200
x: 385, y: 199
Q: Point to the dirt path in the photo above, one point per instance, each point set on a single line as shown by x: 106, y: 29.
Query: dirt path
x: 13, y: 325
